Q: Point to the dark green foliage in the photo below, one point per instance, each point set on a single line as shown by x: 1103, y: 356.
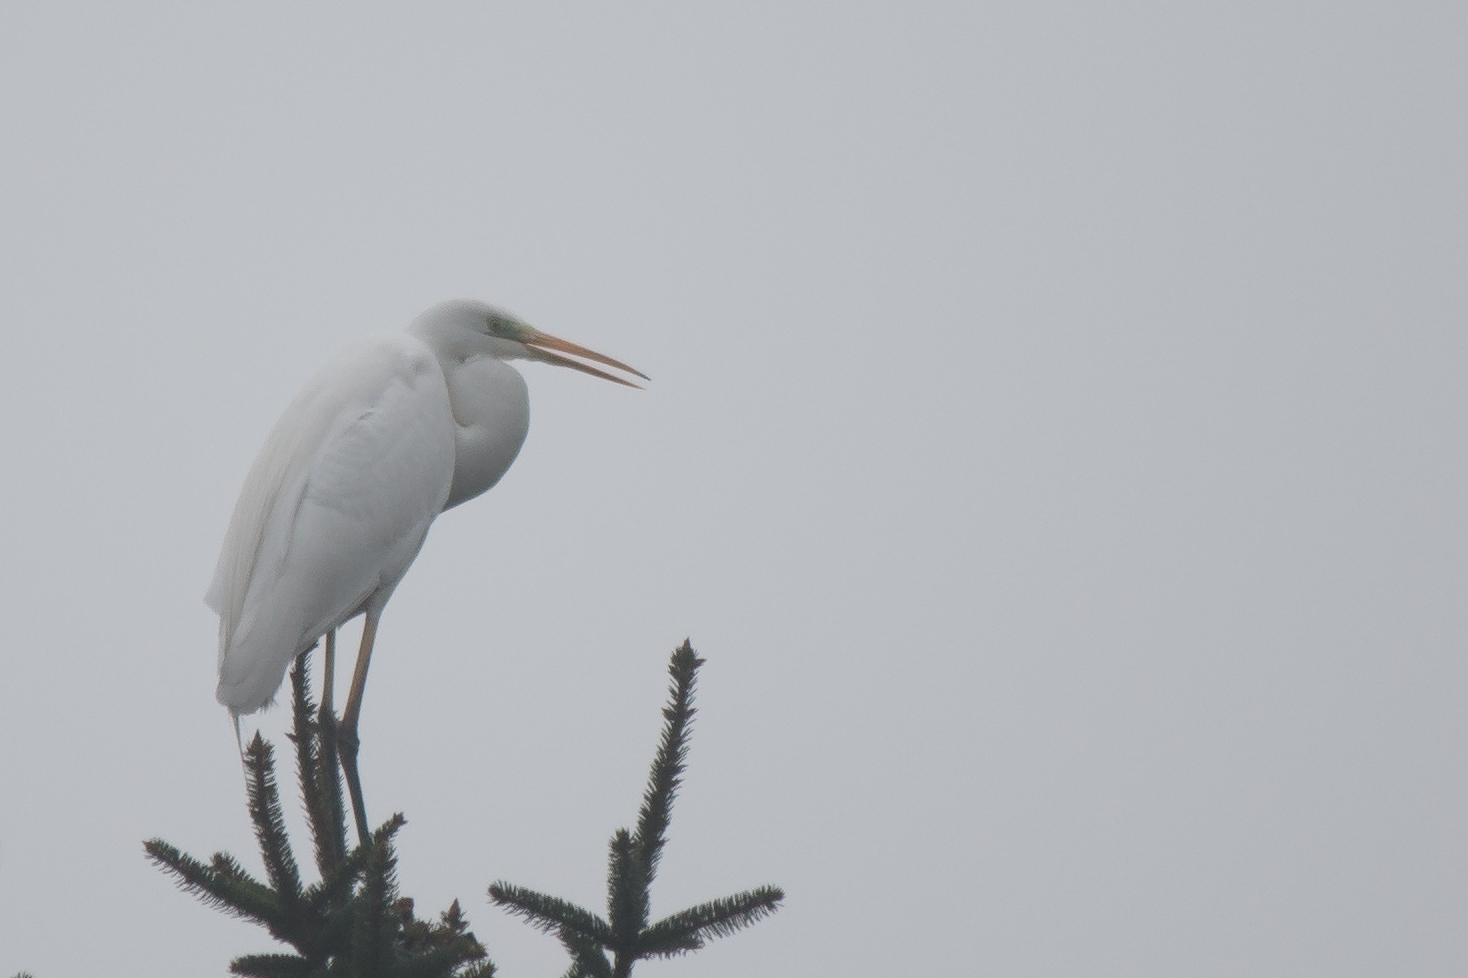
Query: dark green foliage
x: 316, y: 768
x: 352, y: 923
x: 625, y: 934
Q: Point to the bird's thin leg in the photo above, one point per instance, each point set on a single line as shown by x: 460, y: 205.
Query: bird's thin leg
x: 328, y: 676
x: 326, y: 720
x: 348, y: 743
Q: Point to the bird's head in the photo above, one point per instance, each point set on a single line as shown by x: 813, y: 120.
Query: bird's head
x: 465, y: 329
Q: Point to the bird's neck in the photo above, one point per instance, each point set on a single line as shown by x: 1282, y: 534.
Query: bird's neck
x: 491, y: 407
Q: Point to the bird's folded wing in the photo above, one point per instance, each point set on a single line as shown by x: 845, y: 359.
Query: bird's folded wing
x: 333, y: 510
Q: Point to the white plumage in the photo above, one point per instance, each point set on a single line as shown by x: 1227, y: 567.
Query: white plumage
x: 341, y: 496
x: 333, y: 511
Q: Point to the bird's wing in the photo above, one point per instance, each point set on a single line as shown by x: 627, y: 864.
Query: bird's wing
x: 333, y: 510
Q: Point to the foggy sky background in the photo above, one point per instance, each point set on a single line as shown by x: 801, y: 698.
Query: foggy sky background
x: 1055, y: 447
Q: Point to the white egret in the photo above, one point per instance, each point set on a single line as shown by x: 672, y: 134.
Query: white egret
x: 337, y: 504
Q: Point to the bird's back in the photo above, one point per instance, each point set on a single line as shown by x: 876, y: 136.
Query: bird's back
x: 333, y: 511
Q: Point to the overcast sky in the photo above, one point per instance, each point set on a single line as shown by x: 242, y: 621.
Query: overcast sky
x: 1055, y: 446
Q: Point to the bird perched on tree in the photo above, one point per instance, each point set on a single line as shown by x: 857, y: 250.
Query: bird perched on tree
x: 393, y: 432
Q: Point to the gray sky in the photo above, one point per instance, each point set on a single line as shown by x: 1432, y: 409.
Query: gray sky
x: 1056, y: 447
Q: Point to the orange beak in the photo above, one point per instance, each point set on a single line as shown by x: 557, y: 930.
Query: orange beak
x: 541, y: 344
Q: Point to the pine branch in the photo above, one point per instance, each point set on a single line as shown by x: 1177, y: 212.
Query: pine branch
x: 271, y: 966
x: 302, y: 735
x: 336, y: 887
x: 223, y: 885
x: 483, y: 969
x: 436, y: 962
x: 350, y: 923
x: 453, y: 919
x: 631, y: 865
x: 550, y: 914
x: 275, y: 846
x: 669, y: 761
x: 627, y: 891
x: 688, y: 929
x: 587, y: 959
x: 316, y: 769
x: 372, y: 936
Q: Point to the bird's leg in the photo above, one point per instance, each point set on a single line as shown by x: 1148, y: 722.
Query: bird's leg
x: 348, y: 743
x: 328, y: 676
x: 329, y: 755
